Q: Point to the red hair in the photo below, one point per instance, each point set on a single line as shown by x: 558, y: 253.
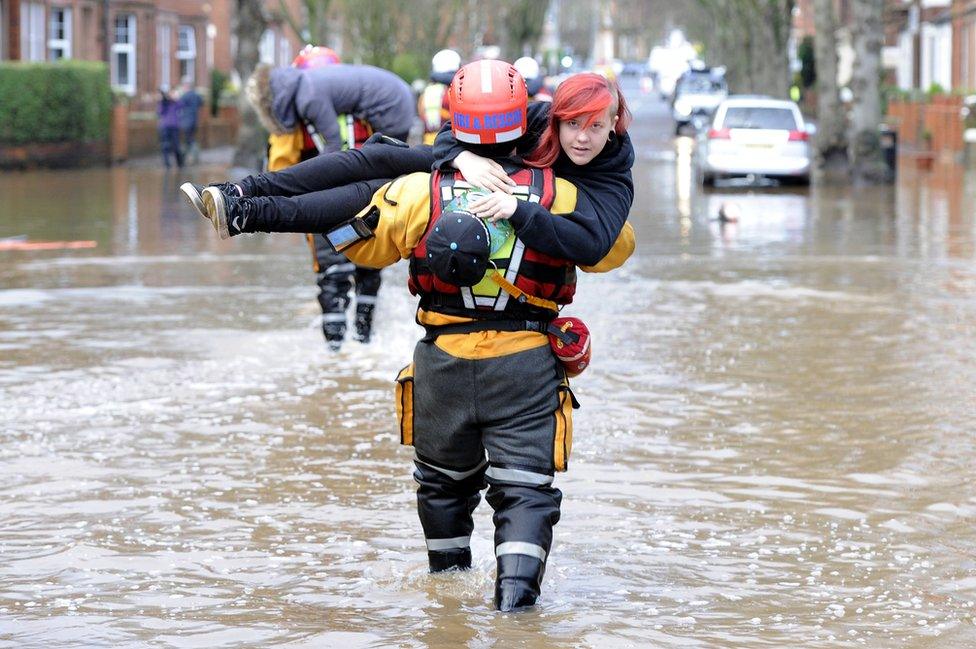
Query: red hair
x: 587, y: 95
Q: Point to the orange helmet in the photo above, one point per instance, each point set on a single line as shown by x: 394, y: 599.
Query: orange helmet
x: 315, y: 56
x: 488, y: 102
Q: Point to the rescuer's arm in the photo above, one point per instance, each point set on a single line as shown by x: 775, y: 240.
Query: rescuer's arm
x: 573, y: 230
x: 621, y: 251
x: 400, y: 210
x: 579, y: 232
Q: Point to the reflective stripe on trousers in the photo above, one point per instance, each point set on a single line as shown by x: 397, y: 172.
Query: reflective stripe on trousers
x: 519, y: 547
x: 446, y: 500
x: 456, y: 543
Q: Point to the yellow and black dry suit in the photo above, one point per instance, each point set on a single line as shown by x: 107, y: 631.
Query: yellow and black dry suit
x: 495, y: 390
x: 336, y: 275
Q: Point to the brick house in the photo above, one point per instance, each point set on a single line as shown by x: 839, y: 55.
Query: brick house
x: 964, y: 45
x: 150, y: 44
x: 921, y: 43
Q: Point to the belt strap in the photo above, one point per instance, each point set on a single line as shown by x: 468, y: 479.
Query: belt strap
x: 539, y: 326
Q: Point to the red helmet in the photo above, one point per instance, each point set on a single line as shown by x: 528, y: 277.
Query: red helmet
x: 488, y: 102
x: 315, y: 56
x: 569, y: 339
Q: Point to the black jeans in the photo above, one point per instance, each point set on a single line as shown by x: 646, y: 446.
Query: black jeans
x: 169, y: 142
x: 315, y: 195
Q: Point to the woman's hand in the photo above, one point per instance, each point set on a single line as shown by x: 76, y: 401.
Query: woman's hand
x: 494, y: 207
x: 484, y: 173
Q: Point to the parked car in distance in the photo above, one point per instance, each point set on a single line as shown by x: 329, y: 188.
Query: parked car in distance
x: 757, y: 136
x: 697, y: 94
x: 634, y: 68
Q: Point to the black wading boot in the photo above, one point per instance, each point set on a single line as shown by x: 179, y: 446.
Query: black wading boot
x: 364, y: 322
x: 518, y: 582
x: 228, y: 213
x: 444, y: 560
x: 335, y: 333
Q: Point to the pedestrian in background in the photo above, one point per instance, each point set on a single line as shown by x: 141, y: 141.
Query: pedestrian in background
x: 169, y: 127
x: 190, y: 104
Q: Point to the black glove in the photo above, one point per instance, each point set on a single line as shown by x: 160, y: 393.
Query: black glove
x: 379, y: 138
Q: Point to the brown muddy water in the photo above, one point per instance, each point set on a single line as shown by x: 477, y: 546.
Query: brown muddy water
x: 776, y: 445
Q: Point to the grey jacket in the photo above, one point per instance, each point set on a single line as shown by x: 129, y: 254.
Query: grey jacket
x: 320, y: 95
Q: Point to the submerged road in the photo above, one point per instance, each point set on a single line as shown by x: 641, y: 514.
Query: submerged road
x: 775, y: 446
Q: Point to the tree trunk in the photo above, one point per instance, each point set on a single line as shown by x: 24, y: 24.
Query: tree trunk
x: 318, y: 23
x: 750, y: 37
x: 249, y: 24
x: 771, y: 63
x: 523, y: 23
x: 868, y: 32
x: 831, y: 140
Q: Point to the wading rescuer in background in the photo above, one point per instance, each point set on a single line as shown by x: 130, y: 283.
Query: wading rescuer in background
x: 321, y: 106
x: 335, y: 275
x: 432, y: 104
x: 326, y: 115
x: 484, y: 380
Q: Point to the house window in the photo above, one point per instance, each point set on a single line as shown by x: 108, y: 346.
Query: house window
x: 165, y: 38
x: 266, y: 50
x: 969, y: 54
x: 936, y: 55
x: 284, y: 52
x: 59, y: 33
x: 904, y: 71
x: 32, y: 46
x: 186, y: 53
x: 124, y: 54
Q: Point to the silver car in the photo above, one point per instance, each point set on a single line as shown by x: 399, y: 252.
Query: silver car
x: 756, y: 136
x: 696, y: 96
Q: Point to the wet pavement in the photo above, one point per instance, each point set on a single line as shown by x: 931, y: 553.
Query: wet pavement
x: 775, y: 446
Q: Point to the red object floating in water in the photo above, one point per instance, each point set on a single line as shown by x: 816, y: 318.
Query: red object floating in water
x: 21, y: 244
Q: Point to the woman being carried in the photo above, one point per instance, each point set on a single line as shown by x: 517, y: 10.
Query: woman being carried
x: 589, y: 148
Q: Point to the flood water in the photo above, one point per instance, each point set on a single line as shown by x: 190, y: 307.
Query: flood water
x: 776, y: 445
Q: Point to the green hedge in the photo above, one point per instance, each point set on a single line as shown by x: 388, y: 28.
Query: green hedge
x: 411, y: 66
x: 67, y: 101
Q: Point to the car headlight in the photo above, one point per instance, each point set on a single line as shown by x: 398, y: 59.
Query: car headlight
x: 682, y: 108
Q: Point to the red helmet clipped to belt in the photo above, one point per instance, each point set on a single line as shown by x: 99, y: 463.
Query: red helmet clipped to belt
x: 569, y: 339
x: 488, y: 101
x: 315, y: 56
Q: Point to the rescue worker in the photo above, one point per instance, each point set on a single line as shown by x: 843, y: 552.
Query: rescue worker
x: 432, y: 104
x: 535, y: 83
x: 484, y: 379
x: 314, y: 112
x: 484, y: 305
